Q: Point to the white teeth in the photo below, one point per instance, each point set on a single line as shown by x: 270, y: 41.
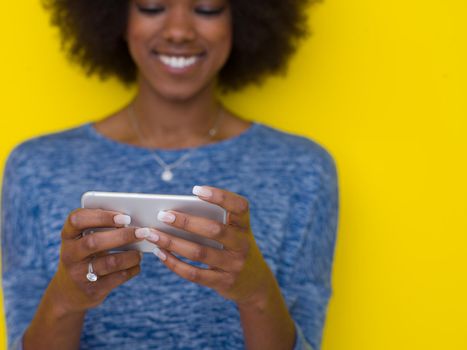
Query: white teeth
x: 178, y: 62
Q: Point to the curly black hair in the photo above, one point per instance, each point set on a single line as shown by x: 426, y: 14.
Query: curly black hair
x: 265, y: 35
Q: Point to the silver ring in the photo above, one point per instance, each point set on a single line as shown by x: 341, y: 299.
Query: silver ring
x: 91, y: 276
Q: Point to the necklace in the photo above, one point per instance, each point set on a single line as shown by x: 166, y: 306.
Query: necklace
x: 167, y: 174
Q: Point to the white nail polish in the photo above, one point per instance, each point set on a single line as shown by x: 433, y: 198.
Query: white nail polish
x: 121, y: 219
x: 157, y: 252
x: 166, y: 217
x: 142, y: 232
x: 202, y: 191
x: 154, y: 237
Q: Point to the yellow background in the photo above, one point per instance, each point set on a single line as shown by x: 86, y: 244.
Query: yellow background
x: 382, y: 85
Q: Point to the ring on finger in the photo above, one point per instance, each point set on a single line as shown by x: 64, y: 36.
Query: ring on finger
x: 91, y: 276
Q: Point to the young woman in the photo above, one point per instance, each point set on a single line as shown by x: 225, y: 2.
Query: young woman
x: 270, y: 285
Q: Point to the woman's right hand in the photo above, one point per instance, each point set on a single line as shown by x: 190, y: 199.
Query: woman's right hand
x: 72, y: 292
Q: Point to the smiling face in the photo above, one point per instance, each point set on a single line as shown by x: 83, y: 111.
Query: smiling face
x: 179, y: 46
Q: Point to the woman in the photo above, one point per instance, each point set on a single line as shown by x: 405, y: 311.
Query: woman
x: 269, y: 287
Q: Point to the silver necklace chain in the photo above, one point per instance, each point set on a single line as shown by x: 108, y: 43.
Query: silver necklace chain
x: 167, y: 174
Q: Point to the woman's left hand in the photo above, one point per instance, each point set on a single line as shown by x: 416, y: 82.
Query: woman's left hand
x: 239, y: 271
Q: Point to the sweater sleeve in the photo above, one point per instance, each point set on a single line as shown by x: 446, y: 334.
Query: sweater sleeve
x: 306, y: 279
x: 23, y: 276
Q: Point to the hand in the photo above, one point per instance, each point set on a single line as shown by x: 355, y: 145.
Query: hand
x: 239, y: 271
x: 71, y: 289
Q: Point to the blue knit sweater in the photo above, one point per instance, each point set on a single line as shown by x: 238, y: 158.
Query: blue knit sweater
x: 289, y: 181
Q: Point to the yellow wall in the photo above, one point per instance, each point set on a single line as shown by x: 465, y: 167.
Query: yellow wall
x: 382, y: 84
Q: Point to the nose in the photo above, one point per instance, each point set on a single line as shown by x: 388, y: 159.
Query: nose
x: 178, y: 26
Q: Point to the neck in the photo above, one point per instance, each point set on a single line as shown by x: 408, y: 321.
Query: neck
x: 174, y: 123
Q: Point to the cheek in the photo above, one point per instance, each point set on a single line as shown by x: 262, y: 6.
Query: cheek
x: 221, y: 37
x: 133, y: 37
x: 138, y: 34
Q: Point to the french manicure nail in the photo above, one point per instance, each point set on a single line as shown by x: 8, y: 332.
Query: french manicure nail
x: 202, y: 191
x: 166, y: 217
x: 154, y: 237
x: 157, y: 252
x: 121, y: 219
x: 142, y: 232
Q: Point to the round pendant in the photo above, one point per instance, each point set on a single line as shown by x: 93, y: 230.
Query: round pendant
x: 92, y: 277
x: 167, y: 175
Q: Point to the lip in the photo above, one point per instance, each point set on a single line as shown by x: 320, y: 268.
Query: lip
x: 179, y: 53
x: 178, y: 70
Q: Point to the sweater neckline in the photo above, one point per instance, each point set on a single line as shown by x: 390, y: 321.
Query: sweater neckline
x: 251, y: 130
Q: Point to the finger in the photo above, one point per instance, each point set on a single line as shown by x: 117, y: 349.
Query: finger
x: 106, y: 284
x: 81, y: 219
x: 113, y: 262
x: 228, y: 235
x: 103, y: 253
x: 232, y: 202
x: 100, y: 241
x: 242, y: 221
x: 208, y: 278
x: 219, y: 259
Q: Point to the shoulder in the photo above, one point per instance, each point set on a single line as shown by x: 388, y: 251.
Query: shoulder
x: 33, y: 153
x: 52, y: 141
x: 50, y: 144
x: 296, y: 152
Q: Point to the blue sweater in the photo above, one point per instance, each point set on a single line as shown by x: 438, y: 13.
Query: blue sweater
x: 291, y: 186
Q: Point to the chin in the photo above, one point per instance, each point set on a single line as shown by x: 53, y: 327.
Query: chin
x: 181, y: 92
x: 177, y: 94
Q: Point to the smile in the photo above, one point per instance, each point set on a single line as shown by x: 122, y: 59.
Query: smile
x: 178, y: 62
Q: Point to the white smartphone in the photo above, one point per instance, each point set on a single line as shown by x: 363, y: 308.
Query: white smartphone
x: 143, y: 209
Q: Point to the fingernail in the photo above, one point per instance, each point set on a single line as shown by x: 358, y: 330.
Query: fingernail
x: 202, y: 191
x: 166, y: 217
x: 121, y: 219
x: 142, y: 232
x: 157, y: 252
x: 154, y: 237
